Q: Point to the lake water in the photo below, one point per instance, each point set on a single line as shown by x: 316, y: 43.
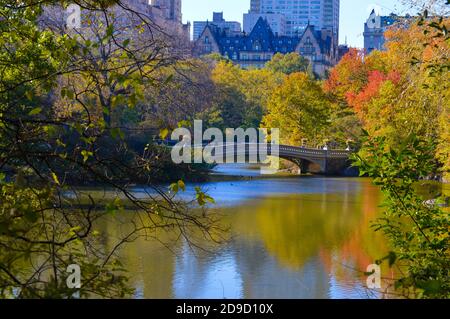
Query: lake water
x: 289, y: 237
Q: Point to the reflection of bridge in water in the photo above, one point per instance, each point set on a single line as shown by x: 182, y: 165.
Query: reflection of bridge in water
x: 324, y: 161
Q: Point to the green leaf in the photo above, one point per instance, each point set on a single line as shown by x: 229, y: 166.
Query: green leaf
x: 168, y: 79
x: 203, y: 198
x: 29, y: 95
x: 175, y: 187
x: 181, y: 185
x: 86, y: 154
x: 74, y: 230
x: 114, y: 206
x: 109, y: 30
x: 430, y: 286
x: 184, y: 123
x: 35, y: 111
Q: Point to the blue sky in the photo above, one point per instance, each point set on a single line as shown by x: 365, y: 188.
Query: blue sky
x: 353, y: 14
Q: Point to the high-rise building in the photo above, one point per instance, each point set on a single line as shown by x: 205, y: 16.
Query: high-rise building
x: 255, y: 6
x: 231, y: 27
x: 170, y: 8
x: 276, y: 21
x: 322, y: 14
x: 330, y: 15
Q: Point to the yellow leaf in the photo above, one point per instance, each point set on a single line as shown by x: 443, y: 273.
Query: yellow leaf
x: 163, y: 133
x: 55, y: 178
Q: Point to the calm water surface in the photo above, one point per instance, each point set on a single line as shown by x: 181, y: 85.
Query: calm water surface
x: 294, y: 237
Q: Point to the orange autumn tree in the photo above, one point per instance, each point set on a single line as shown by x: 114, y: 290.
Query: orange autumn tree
x: 350, y: 75
x: 345, y: 82
x: 398, y: 91
x: 379, y: 85
x: 352, y: 72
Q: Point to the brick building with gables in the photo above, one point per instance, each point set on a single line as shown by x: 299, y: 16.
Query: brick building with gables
x: 261, y: 44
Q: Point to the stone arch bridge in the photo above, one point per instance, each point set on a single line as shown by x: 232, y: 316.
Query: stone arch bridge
x: 322, y: 161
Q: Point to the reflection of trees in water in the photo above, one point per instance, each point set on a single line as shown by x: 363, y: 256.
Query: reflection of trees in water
x: 333, y: 226
x: 364, y: 245
x: 295, y: 228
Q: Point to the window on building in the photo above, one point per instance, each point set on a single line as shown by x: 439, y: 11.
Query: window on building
x: 256, y: 45
x: 307, y: 48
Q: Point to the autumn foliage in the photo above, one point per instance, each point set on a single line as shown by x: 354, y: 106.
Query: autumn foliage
x: 401, y: 90
x: 375, y: 81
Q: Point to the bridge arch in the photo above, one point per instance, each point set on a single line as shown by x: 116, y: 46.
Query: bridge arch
x: 306, y: 165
